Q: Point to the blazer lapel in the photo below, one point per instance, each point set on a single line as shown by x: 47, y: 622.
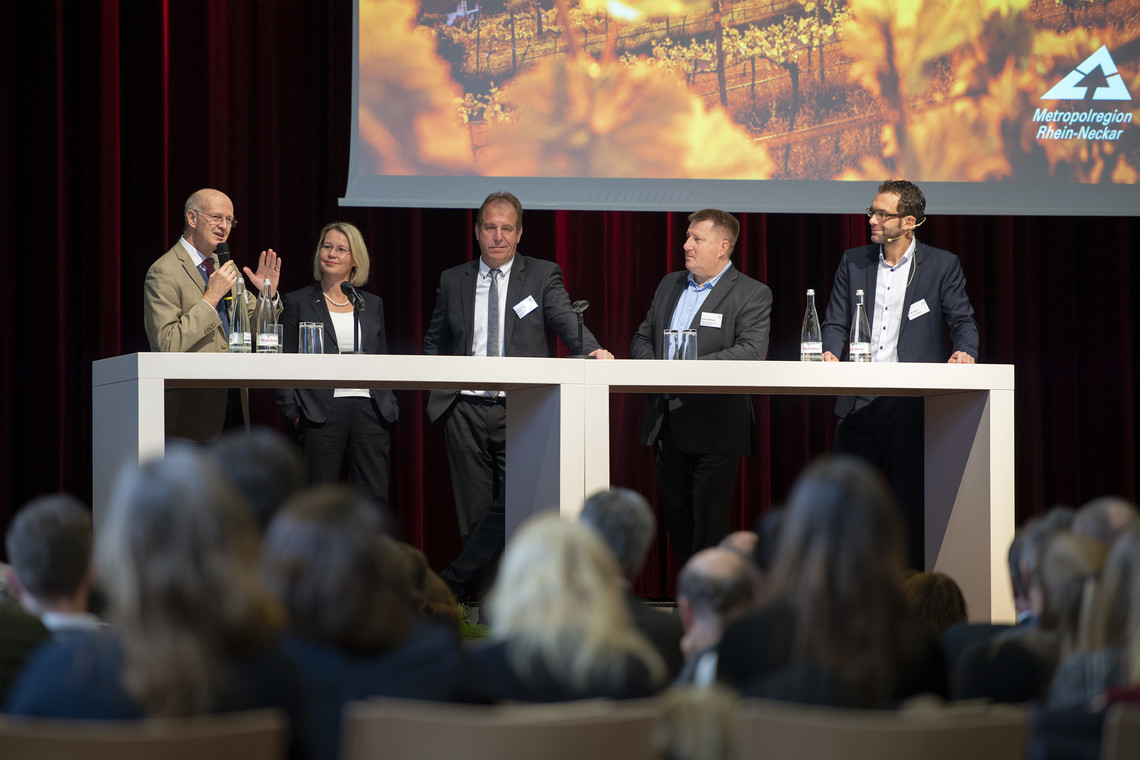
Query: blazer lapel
x: 515, y: 290
x: 912, y: 288
x: 467, y: 303
x: 869, y: 286
x: 192, y: 271
x: 321, y: 311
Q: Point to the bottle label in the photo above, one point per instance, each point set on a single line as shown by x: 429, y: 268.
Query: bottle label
x: 267, y: 341
x: 860, y: 352
x: 239, y: 343
x: 811, y: 351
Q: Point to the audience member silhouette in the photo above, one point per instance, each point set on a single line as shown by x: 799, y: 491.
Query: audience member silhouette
x: 264, y: 465
x: 193, y: 631
x: 560, y: 627
x: 834, y: 626
x: 623, y: 519
x: 714, y: 588
x: 325, y: 556
x: 936, y: 600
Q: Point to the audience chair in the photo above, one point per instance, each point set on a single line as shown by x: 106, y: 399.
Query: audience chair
x: 1120, y: 739
x: 767, y: 729
x: 382, y: 728
x: 250, y: 735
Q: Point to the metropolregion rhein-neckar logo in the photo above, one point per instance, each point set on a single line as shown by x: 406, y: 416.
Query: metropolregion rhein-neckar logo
x: 1084, y: 102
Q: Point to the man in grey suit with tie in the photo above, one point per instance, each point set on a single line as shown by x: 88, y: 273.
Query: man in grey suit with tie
x: 698, y: 439
x: 912, y: 292
x: 502, y: 304
x: 185, y: 309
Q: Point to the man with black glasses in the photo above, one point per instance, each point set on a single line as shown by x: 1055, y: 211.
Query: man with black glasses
x: 911, y: 292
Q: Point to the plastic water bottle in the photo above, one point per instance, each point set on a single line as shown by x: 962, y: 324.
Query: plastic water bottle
x: 860, y: 346
x: 239, y: 321
x: 266, y: 323
x: 811, y: 337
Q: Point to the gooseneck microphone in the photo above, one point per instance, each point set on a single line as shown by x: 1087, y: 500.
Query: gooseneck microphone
x: 580, y: 306
x: 353, y: 295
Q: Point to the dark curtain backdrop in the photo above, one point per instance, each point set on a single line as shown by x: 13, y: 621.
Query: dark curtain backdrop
x: 114, y: 112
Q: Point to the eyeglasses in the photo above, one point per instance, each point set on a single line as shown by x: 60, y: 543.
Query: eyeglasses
x: 328, y: 248
x: 216, y: 219
x: 882, y: 215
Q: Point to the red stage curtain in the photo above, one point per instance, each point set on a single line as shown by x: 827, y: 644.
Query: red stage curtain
x: 114, y: 112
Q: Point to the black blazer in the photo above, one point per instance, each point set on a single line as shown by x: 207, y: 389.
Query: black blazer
x: 706, y: 424
x: 452, y: 328
x: 937, y: 279
x: 308, y: 305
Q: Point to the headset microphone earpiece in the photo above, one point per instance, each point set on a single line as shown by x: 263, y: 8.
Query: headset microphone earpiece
x: 903, y: 233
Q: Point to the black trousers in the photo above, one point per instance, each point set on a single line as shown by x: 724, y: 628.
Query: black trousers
x: 888, y: 433
x: 354, y: 437
x: 475, y: 431
x: 695, y: 492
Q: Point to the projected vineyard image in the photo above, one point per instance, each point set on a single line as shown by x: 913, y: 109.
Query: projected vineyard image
x: 963, y: 91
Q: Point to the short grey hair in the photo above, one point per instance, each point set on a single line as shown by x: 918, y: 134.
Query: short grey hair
x: 625, y: 521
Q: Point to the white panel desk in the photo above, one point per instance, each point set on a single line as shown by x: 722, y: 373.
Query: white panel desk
x: 558, y: 427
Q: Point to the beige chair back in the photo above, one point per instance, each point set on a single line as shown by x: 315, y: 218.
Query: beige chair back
x: 1120, y: 739
x: 377, y: 729
x: 250, y: 735
x: 765, y: 729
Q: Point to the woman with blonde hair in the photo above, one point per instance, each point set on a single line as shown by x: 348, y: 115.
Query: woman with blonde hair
x: 342, y: 427
x: 192, y: 630
x: 560, y: 627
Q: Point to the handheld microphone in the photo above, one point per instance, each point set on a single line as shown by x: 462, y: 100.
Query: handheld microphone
x: 353, y: 295
x: 580, y: 306
x: 223, y: 251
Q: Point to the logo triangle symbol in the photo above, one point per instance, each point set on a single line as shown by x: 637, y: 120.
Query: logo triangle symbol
x: 1069, y: 88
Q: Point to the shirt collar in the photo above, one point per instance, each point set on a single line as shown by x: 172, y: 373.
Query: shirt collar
x: 905, y: 257
x: 710, y: 284
x: 485, y: 271
x: 195, y: 254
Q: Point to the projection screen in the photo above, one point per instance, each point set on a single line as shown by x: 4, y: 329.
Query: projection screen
x: 754, y: 105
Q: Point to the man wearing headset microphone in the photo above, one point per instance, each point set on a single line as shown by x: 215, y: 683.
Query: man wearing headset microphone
x: 910, y: 290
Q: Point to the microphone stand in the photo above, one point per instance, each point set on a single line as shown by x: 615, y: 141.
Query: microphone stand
x: 579, y: 308
x: 355, y: 327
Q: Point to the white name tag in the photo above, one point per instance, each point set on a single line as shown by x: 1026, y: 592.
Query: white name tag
x: 708, y: 319
x: 917, y: 309
x: 525, y: 306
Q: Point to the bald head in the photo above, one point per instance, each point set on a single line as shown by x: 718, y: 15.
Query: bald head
x: 743, y: 542
x: 715, y: 581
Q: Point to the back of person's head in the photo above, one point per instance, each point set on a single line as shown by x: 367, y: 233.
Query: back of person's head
x: 1068, y: 566
x: 326, y: 557
x: 49, y: 547
x: 176, y: 555
x: 1019, y: 583
x: 743, y: 542
x: 1037, y: 531
x: 1116, y: 612
x: 768, y: 530
x: 1104, y: 518
x: 936, y: 600
x: 695, y: 723
x: 264, y: 465
x: 625, y: 521
x: 421, y: 588
x: 715, y: 581
x: 557, y: 599
x: 840, y: 565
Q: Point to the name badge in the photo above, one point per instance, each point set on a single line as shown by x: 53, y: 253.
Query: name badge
x: 917, y: 309
x: 708, y: 319
x: 525, y: 306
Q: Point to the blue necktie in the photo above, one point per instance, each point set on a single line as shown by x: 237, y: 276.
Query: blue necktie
x: 206, y: 268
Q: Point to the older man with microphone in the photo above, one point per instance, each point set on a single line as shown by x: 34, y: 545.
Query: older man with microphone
x: 187, y: 307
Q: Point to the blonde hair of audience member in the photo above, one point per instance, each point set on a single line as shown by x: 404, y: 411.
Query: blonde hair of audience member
x: 1069, y: 566
x: 360, y: 261
x: 558, y: 600
x: 176, y: 554
x: 840, y: 564
x: 1115, y: 622
x: 936, y: 600
x: 326, y: 557
x: 695, y: 723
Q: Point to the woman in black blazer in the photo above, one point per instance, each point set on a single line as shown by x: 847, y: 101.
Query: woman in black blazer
x: 345, y: 427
